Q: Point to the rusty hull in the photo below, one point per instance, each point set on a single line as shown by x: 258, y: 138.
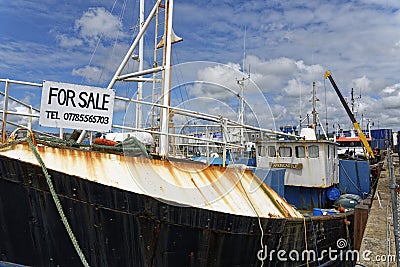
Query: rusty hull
x: 229, y: 190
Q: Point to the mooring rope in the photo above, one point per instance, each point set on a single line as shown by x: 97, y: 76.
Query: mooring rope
x: 57, y: 201
x: 305, y: 237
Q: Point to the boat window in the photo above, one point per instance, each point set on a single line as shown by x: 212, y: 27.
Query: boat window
x: 261, y: 151
x: 300, y: 152
x: 271, y: 151
x: 329, y: 152
x: 313, y: 151
x: 285, y: 151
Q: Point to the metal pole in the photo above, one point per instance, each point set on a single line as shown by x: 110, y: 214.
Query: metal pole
x: 140, y: 84
x: 133, y: 46
x: 5, y: 110
x: 91, y: 138
x: 225, y: 140
x: 164, y: 122
x: 29, y: 126
x: 207, y: 148
x: 394, y: 206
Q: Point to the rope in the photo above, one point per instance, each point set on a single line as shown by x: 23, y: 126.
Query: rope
x: 57, y: 201
x: 305, y: 237
x: 11, y: 143
x: 315, y: 240
x: 358, y: 179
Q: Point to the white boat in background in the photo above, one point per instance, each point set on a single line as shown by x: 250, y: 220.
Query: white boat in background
x: 311, y: 167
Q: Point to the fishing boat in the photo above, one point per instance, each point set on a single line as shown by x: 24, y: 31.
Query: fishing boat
x: 64, y: 203
x: 311, y: 168
x: 319, y: 170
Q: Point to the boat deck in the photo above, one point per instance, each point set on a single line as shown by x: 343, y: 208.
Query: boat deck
x: 378, y: 244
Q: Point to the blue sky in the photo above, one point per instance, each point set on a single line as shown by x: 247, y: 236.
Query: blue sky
x: 289, y: 44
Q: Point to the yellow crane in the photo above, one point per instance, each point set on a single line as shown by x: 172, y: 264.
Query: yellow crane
x: 361, y: 135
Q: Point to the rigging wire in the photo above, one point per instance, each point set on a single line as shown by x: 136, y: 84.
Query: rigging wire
x: 116, y: 38
x: 97, y: 44
x: 178, y: 75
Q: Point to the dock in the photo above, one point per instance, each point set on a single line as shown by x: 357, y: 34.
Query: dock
x: 378, y: 242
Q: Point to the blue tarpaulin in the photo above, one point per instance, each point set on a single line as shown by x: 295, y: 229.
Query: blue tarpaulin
x: 354, y: 177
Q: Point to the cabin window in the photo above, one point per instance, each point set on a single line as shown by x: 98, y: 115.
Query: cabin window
x: 300, y: 152
x: 261, y: 151
x: 271, y: 151
x: 285, y: 151
x: 313, y: 151
x: 329, y: 152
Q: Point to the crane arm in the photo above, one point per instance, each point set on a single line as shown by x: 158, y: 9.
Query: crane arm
x: 361, y: 135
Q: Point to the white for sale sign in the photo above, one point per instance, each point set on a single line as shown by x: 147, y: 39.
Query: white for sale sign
x: 73, y: 106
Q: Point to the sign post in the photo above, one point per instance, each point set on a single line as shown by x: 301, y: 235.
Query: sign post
x: 73, y: 106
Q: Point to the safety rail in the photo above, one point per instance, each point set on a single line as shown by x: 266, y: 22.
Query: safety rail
x: 219, y: 121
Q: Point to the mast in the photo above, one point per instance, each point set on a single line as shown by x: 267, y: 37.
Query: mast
x: 314, y: 111
x: 164, y: 122
x: 241, y: 85
x: 139, y: 95
x: 242, y: 106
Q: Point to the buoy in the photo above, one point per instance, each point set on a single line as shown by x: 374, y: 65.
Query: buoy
x: 104, y: 142
x: 333, y: 193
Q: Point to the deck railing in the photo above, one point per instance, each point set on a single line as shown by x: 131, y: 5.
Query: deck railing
x: 215, y: 121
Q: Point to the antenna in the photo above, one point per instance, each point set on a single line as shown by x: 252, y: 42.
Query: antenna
x: 241, y: 83
x: 353, y: 101
x: 314, y: 105
x: 244, y: 46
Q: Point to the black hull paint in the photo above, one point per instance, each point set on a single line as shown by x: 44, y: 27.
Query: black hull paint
x: 120, y: 228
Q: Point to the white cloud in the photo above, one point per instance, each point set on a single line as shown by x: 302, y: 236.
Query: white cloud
x: 97, y: 23
x: 389, y: 90
x: 361, y: 85
x: 91, y: 73
x: 68, y: 42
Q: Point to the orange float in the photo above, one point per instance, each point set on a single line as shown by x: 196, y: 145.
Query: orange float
x: 104, y: 142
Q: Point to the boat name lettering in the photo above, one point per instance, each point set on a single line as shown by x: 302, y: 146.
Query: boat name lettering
x: 76, y: 106
x: 297, y: 166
